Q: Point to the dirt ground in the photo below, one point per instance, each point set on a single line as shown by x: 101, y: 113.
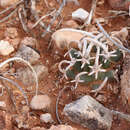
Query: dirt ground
x: 52, y: 83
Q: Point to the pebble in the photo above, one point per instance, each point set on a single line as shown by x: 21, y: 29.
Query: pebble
x: 89, y: 113
x: 20, y: 122
x: 80, y: 15
x: 101, y: 98
x: 29, y: 41
x: 26, y: 76
x: 5, y: 48
x: 40, y: 102
x: 11, y: 33
x: 2, y: 104
x: 25, y: 109
x: 28, y: 54
x: 23, y: 102
x: 47, y: 118
x: 101, y: 21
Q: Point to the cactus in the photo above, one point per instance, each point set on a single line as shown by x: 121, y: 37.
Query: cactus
x: 92, y: 61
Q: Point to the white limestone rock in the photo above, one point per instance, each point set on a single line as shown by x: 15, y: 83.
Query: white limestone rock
x: 5, y: 48
x: 47, y: 118
x: 80, y: 15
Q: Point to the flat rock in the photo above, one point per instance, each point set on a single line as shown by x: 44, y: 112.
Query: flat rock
x: 67, y: 37
x: 27, y: 53
x: 80, y: 15
x: 26, y: 76
x: 46, y: 118
x: 89, y: 113
x: 5, y: 48
x: 40, y: 102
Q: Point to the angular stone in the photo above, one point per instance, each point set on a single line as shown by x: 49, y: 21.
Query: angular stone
x: 5, y: 48
x: 80, y: 15
x: 46, y: 118
x: 27, y: 53
x: 26, y: 76
x: 89, y: 113
x: 40, y: 102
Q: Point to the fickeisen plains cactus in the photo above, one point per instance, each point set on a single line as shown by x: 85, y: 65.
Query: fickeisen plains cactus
x: 92, y: 61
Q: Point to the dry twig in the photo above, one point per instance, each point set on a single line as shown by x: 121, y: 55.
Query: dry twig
x: 24, y: 61
x: 15, y: 84
x: 57, y: 102
x: 109, y: 38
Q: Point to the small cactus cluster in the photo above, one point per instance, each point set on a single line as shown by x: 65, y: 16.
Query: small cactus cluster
x: 93, y: 60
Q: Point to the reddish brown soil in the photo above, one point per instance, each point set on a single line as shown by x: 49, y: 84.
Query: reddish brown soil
x: 52, y: 84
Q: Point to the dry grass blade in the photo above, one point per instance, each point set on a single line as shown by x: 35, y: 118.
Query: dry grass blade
x: 43, y: 18
x: 88, y: 21
x: 101, y: 86
x: 7, y: 17
x: 54, y: 18
x: 10, y: 93
x: 57, y: 102
x: 35, y: 14
x: 120, y: 114
x: 22, y: 21
x: 26, y: 62
x: 15, y: 84
x: 2, y: 91
x: 12, y: 6
x: 110, y: 39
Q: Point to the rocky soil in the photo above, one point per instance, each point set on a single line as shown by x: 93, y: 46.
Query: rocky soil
x: 52, y: 104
